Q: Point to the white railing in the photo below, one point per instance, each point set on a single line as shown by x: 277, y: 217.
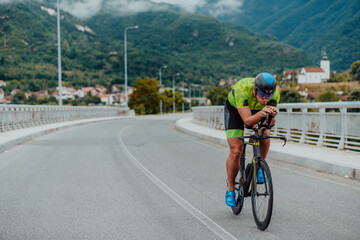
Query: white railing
x: 330, y: 124
x: 21, y: 116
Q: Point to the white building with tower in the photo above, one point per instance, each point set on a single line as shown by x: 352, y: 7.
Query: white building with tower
x: 316, y: 74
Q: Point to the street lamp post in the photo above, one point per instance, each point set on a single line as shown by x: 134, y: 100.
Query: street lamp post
x: 174, y: 91
x: 59, y: 53
x: 182, y: 104
x: 161, y: 86
x: 190, y: 96
x: 125, y: 63
x: 199, y: 93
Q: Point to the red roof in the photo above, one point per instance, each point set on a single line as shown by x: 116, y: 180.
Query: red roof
x: 314, y: 69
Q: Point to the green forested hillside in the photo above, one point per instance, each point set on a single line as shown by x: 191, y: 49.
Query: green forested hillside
x: 313, y: 25
x: 199, y: 47
x: 29, y: 58
x: 195, y: 45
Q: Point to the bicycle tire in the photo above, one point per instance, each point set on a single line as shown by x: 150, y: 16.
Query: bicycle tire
x: 239, y: 200
x: 262, y: 196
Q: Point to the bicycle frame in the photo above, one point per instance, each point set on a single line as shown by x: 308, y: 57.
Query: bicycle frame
x: 254, y: 140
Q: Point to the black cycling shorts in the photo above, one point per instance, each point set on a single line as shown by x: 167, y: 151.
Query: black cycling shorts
x: 234, y: 125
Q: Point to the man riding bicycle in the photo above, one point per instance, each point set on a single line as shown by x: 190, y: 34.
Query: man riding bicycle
x: 248, y: 102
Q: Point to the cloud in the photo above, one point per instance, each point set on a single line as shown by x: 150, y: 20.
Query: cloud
x: 88, y: 8
x: 225, y: 7
x: 5, y: 1
x: 214, y: 8
x: 81, y: 9
x: 188, y: 5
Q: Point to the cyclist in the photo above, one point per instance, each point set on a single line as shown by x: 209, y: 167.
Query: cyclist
x: 248, y: 101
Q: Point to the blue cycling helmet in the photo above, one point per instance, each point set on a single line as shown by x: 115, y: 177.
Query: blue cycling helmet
x: 265, y: 82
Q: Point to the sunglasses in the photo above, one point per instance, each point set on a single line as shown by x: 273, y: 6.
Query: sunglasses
x: 264, y: 95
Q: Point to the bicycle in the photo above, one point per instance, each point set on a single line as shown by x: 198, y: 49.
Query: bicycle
x: 261, y: 192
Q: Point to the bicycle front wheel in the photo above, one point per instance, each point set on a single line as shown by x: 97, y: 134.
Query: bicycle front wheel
x: 239, y: 199
x: 262, y: 195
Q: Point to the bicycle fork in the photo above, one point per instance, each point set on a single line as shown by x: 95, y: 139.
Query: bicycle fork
x: 246, y: 180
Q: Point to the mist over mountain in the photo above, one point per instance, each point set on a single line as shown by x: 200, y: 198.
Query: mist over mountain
x: 85, y: 9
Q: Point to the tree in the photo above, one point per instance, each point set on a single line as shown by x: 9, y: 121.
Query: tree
x: 146, y: 93
x: 167, y: 100
x: 355, y: 95
x: 290, y: 96
x: 355, y: 71
x: 327, y: 96
x: 218, y: 95
x: 90, y: 99
x: 339, y: 77
x: 43, y: 100
x: 18, y: 98
x: 32, y: 100
x: 53, y: 100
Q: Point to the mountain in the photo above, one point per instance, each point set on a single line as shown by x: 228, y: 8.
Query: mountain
x: 28, y: 57
x: 313, y: 25
x: 199, y: 47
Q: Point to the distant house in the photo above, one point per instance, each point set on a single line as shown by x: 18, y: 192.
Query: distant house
x: 107, y: 99
x: 13, y: 92
x: 92, y: 90
x: 2, y: 95
x: 66, y: 93
x: 315, y: 74
x: 231, y: 82
x: 222, y: 82
x: 42, y: 93
x: 2, y: 83
x: 79, y: 93
x: 290, y: 76
x: 311, y: 75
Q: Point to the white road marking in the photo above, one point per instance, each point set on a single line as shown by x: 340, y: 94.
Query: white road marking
x: 210, y: 224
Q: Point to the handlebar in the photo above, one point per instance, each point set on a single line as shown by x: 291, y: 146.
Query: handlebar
x: 263, y: 138
x: 263, y: 124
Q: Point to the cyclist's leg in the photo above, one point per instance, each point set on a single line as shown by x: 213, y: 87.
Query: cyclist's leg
x: 233, y: 161
x: 234, y: 127
x: 265, y: 145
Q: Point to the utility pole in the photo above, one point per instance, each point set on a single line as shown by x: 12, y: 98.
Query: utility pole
x: 59, y: 53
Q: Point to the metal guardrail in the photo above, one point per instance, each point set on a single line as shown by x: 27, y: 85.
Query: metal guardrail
x: 21, y: 116
x: 329, y: 124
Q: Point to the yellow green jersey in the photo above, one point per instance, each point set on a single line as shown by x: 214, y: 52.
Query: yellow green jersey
x: 241, y: 95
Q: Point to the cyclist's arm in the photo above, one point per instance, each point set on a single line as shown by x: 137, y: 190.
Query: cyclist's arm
x: 250, y: 119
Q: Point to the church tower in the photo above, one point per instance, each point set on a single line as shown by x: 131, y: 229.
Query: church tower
x: 325, y: 65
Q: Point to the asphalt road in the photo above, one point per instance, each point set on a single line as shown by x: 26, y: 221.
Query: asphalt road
x: 142, y: 179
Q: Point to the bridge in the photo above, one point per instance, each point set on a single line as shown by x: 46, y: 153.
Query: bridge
x: 118, y: 176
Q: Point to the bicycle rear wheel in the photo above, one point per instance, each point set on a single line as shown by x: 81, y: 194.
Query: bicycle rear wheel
x: 262, y: 196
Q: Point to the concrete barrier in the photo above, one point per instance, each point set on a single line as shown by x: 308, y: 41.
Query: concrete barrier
x: 331, y: 124
x: 14, y: 117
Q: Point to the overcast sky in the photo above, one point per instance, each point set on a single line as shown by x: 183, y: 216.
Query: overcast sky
x: 88, y: 8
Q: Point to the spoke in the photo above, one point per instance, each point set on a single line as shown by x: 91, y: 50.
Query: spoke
x: 262, y: 199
